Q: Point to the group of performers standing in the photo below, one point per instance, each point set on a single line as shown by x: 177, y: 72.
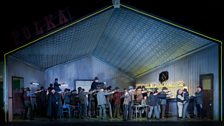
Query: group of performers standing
x: 95, y: 102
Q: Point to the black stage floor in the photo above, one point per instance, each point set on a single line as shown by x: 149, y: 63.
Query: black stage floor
x: 157, y: 123
x: 113, y: 122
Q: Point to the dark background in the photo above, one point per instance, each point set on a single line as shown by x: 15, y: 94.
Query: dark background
x: 204, y: 17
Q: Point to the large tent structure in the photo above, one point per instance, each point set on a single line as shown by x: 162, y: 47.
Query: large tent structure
x: 122, y: 46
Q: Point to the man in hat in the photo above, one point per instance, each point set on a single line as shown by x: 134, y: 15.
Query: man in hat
x: 56, y: 85
x: 95, y: 83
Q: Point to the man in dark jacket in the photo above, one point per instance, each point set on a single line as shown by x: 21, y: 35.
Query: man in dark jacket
x: 163, y: 101
x: 56, y: 85
x: 92, y: 103
x: 153, y: 104
x: 41, y: 101
x: 199, y: 96
x: 53, y: 103
x: 94, y: 84
x: 83, y: 97
x: 26, y: 98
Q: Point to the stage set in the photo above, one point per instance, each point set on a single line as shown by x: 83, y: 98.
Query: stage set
x: 131, y: 53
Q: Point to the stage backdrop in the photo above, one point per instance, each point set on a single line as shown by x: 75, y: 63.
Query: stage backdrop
x: 87, y: 68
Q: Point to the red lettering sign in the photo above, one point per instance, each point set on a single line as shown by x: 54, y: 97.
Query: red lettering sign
x: 49, y: 22
x: 26, y: 32
x: 15, y: 36
x: 39, y: 30
x: 40, y: 27
x: 62, y: 17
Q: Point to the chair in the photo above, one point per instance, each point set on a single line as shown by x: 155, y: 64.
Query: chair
x: 66, y: 109
x: 137, y: 110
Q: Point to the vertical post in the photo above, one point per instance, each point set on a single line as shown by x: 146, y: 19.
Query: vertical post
x: 5, y: 90
x: 221, y: 83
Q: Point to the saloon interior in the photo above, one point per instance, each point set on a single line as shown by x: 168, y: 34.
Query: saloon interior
x: 121, y: 46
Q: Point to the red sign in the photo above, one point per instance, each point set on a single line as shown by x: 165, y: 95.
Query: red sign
x: 41, y: 27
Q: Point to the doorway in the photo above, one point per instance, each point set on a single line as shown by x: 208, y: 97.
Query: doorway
x: 17, y: 85
x: 206, y: 82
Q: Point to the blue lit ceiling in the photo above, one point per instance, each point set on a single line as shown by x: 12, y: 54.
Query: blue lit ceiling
x: 127, y: 40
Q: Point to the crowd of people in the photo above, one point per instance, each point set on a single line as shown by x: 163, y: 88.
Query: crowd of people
x: 102, y: 102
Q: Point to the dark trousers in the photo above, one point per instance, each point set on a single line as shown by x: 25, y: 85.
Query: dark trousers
x: 117, y: 110
x: 199, y: 110
x: 28, y: 109
x: 43, y: 110
x: 93, y: 108
x: 163, y: 110
x: 54, y: 111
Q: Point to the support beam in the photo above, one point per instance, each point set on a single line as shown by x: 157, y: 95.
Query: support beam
x: 5, y: 91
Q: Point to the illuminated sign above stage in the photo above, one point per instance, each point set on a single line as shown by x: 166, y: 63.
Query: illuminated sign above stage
x: 41, y: 27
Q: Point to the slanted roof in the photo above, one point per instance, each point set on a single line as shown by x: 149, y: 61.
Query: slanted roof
x: 130, y: 41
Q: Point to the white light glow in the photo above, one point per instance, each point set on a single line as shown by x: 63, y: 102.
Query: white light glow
x: 35, y: 83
